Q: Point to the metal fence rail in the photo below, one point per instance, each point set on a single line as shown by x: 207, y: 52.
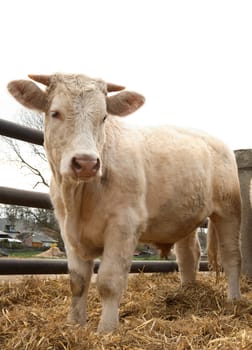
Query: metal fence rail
x: 21, y: 132
x: 59, y: 266
x: 25, y: 198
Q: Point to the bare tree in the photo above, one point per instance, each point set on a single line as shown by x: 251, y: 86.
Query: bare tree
x: 29, y: 156
x: 33, y: 216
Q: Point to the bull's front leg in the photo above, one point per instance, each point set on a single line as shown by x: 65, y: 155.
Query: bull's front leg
x: 80, y: 270
x: 80, y: 275
x: 120, y: 242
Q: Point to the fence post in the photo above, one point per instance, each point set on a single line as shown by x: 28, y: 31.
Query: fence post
x: 244, y: 162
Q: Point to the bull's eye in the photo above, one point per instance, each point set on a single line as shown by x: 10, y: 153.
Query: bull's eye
x: 105, y: 117
x: 54, y: 114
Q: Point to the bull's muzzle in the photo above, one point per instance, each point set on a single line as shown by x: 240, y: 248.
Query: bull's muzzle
x: 85, y: 166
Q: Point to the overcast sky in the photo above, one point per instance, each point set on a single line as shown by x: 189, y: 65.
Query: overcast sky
x: 192, y: 60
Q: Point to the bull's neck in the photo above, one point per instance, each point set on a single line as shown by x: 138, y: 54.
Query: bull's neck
x: 80, y: 195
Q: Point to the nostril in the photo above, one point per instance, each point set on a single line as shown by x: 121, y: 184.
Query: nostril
x: 96, y: 167
x: 75, y: 164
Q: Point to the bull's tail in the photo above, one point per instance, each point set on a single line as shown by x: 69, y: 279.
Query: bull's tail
x: 213, y: 251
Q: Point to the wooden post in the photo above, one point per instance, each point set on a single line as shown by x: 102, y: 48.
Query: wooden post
x: 244, y: 162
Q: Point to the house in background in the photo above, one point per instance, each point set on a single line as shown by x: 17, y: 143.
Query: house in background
x: 13, y: 227
x: 8, y: 241
x: 38, y: 240
x: 29, y: 235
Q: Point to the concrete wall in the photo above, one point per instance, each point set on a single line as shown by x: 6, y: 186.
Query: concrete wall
x: 244, y: 161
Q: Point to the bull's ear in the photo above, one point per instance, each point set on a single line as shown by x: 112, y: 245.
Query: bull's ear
x: 124, y: 103
x: 28, y: 94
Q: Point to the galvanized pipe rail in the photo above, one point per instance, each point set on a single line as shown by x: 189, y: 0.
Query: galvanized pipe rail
x: 20, y: 132
x: 50, y: 266
x: 32, y: 199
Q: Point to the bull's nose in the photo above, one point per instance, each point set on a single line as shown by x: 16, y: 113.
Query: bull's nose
x: 85, y: 166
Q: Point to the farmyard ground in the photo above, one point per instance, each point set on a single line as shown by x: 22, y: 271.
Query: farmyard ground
x: 155, y: 314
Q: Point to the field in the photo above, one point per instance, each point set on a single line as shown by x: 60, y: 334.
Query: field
x: 155, y: 314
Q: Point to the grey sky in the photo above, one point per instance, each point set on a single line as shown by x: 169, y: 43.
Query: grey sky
x: 192, y: 60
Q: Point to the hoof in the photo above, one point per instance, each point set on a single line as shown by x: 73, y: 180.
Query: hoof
x: 75, y: 319
x: 106, y: 328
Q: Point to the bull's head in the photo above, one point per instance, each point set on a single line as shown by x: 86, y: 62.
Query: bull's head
x: 75, y: 108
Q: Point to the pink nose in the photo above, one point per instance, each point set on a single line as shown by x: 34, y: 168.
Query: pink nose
x: 85, y: 166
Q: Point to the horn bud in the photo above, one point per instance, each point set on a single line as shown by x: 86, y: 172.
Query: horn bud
x: 43, y: 79
x: 113, y: 87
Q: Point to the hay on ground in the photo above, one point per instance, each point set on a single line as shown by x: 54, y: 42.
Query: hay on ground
x: 155, y: 314
x: 53, y: 252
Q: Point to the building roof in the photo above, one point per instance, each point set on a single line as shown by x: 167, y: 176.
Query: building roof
x: 5, y: 236
x: 42, y: 237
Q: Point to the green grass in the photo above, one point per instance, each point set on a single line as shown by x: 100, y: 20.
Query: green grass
x: 26, y: 254
x: 22, y: 252
x: 150, y: 257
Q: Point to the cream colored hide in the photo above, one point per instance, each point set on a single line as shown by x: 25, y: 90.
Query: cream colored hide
x: 114, y: 185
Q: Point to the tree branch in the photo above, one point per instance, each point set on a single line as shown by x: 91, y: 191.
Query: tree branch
x: 14, y: 146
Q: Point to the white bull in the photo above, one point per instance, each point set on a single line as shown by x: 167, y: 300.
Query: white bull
x: 114, y: 185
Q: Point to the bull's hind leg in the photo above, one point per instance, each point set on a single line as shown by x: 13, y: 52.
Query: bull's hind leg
x: 187, y: 252
x: 224, y: 239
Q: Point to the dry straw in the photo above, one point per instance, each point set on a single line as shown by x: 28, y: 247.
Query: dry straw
x: 155, y: 314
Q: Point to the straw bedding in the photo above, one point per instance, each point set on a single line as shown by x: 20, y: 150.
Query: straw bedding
x: 155, y: 314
